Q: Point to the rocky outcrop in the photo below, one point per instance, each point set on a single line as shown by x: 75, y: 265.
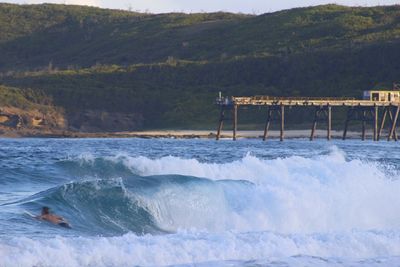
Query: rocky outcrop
x: 46, y: 118
x: 49, y: 120
x: 10, y: 120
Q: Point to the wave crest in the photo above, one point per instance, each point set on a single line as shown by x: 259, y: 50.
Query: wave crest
x: 289, y: 195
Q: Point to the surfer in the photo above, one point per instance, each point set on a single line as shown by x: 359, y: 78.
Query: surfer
x: 55, y: 219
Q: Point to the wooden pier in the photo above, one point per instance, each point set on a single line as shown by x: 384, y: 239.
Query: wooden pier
x: 357, y: 110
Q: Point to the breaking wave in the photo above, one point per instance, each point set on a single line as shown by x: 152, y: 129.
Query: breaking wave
x: 166, y: 211
x: 287, y: 195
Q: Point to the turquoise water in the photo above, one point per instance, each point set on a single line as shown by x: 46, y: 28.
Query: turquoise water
x: 165, y: 202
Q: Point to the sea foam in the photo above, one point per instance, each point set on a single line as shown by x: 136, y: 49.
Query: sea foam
x: 289, y: 195
x: 187, y: 247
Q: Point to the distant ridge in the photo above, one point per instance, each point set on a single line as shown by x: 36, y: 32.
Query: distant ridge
x: 164, y: 70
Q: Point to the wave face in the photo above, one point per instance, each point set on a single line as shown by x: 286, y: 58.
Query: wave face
x: 327, y: 209
x: 288, y: 195
x: 152, y: 204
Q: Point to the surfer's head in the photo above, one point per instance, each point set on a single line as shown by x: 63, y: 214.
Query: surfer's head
x: 45, y: 210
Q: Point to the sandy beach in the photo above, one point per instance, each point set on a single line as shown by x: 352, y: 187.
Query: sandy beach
x: 183, y: 134
x: 240, y: 134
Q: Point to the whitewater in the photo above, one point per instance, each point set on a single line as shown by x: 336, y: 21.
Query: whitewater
x: 167, y: 202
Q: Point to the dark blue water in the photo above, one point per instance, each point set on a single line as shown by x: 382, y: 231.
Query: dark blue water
x: 165, y: 202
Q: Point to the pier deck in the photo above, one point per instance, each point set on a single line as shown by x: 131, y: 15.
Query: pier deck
x: 357, y: 109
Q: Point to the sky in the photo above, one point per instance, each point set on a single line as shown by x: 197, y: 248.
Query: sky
x: 190, y: 6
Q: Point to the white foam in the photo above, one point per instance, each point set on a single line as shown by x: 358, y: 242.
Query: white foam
x: 195, y: 247
x: 290, y: 195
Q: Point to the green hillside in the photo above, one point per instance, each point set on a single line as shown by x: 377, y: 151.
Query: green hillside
x: 165, y: 70
x: 14, y: 97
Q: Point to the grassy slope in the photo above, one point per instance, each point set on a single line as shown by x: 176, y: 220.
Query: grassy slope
x: 23, y: 99
x: 14, y: 97
x: 325, y: 50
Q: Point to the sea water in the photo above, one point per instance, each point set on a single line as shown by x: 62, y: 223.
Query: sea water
x: 165, y: 202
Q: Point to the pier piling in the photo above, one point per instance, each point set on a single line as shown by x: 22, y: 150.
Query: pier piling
x: 363, y: 121
x: 376, y: 118
x: 383, y: 119
x: 392, y: 132
x: 235, y: 111
x: 329, y: 121
x: 282, y: 111
x: 221, y: 122
x: 268, y: 122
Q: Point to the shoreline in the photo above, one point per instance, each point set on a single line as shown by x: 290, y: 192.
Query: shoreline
x: 182, y: 134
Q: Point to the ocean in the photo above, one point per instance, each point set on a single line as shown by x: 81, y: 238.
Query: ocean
x: 167, y: 202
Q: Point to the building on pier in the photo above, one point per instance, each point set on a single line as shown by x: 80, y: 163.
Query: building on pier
x: 382, y: 95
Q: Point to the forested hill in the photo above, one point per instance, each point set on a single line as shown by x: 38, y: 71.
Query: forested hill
x: 150, y: 71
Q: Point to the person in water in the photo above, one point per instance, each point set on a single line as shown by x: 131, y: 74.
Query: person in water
x: 55, y: 219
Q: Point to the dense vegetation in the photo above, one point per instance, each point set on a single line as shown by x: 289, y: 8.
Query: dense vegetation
x: 23, y: 99
x: 169, y: 68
